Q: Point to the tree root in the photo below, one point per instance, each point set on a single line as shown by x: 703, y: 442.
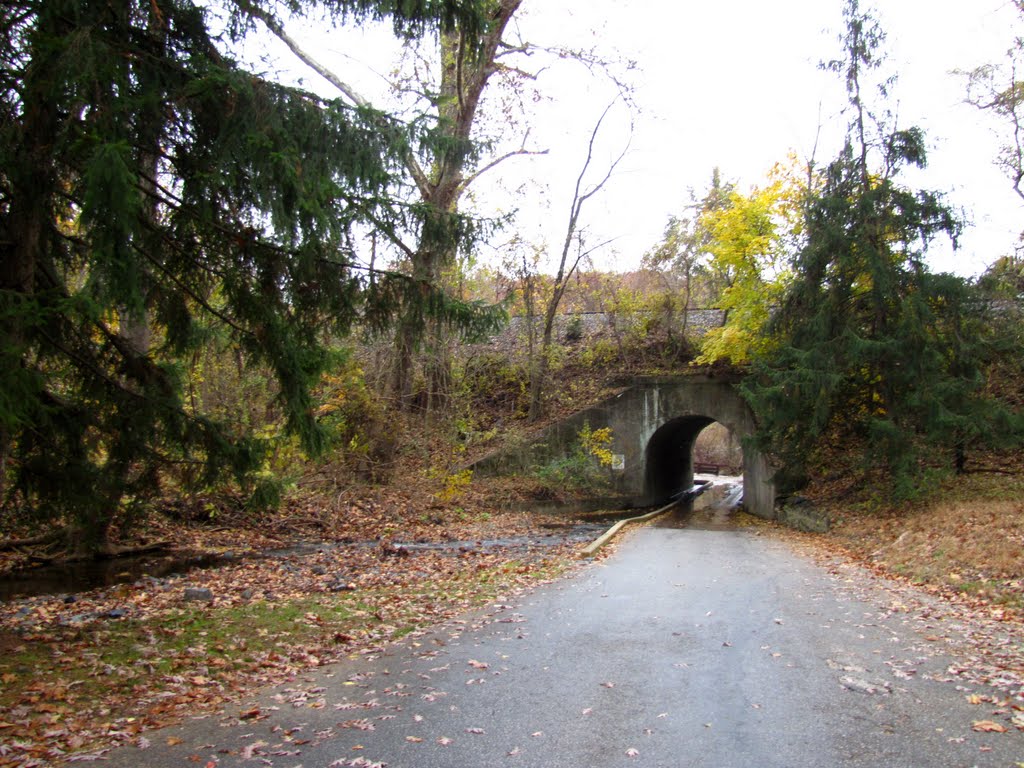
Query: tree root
x: 109, y: 551
x: 32, y: 541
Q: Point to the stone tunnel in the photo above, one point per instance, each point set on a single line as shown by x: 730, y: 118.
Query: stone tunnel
x: 654, y: 423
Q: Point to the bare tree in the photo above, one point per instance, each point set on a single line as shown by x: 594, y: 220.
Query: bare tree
x: 997, y: 89
x: 574, y: 251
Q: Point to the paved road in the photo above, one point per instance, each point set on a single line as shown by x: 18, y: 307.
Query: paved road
x: 716, y: 648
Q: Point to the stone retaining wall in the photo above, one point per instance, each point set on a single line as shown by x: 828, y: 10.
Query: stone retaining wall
x: 581, y: 327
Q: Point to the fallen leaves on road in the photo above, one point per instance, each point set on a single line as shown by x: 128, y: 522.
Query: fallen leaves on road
x: 988, y: 726
x: 980, y: 638
x: 101, y: 668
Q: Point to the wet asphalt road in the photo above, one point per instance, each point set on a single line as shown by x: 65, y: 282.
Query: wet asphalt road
x: 716, y: 648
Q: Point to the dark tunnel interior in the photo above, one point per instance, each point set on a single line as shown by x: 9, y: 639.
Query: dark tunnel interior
x: 670, y: 457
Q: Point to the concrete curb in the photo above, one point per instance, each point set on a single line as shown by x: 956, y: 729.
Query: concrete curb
x: 604, y: 538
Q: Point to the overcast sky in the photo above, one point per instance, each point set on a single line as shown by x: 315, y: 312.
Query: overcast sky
x: 735, y: 84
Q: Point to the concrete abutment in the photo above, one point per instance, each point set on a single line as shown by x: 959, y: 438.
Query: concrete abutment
x: 654, y: 424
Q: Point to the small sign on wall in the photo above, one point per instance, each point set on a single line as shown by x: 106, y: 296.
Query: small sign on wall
x: 618, y: 461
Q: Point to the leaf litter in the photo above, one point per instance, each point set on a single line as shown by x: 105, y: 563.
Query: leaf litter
x: 81, y: 674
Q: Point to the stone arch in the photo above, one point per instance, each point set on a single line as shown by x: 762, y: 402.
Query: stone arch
x: 672, y: 413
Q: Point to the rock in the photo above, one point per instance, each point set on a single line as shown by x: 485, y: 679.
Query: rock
x: 78, y: 618
x: 800, y: 513
x: 859, y: 685
x: 199, y: 594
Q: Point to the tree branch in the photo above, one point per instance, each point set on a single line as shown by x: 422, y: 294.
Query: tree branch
x: 466, y: 182
x: 578, y: 198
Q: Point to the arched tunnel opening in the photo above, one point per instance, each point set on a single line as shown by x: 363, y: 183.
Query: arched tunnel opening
x: 670, y: 457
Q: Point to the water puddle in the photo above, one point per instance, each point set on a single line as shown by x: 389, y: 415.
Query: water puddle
x: 84, y: 575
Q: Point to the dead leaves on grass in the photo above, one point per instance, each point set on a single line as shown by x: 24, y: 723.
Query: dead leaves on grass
x: 78, y: 678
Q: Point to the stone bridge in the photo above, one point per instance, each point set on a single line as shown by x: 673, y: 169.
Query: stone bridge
x: 654, y: 424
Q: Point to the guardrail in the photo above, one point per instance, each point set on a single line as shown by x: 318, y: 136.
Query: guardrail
x: 678, y: 498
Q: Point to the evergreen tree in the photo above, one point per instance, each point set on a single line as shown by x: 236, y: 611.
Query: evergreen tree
x: 870, y: 342
x: 149, y: 182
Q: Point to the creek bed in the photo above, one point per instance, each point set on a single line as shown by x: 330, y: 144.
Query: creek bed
x: 81, y: 576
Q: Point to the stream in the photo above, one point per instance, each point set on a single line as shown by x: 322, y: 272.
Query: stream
x: 710, y: 511
x: 81, y: 576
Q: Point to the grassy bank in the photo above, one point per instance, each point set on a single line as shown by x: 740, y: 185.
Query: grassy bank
x: 965, y: 538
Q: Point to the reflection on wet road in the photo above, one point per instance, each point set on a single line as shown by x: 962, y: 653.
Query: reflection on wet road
x: 711, y: 511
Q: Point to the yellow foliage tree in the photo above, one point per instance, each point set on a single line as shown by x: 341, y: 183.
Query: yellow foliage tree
x: 749, y: 240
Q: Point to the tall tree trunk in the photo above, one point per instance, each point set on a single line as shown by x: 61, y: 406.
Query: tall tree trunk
x: 464, y: 76
x: 28, y: 227
x: 134, y: 322
x: 538, y: 382
x: 466, y: 68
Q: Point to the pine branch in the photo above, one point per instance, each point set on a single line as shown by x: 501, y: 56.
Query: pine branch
x: 275, y: 27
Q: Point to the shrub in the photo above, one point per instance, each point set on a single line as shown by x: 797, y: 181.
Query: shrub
x: 585, y: 467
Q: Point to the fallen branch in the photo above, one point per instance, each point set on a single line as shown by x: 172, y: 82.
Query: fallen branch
x: 141, y: 549
x: 107, y: 552
x: 878, y: 552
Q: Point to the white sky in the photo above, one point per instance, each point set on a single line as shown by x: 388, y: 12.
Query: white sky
x: 734, y: 84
